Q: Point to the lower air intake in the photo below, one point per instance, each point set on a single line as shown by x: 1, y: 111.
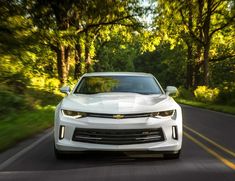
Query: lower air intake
x: 118, y: 137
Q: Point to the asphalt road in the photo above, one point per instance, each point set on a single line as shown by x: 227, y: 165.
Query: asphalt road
x: 208, y: 154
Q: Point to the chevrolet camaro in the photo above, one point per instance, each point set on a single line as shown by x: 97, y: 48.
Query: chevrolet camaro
x: 118, y: 111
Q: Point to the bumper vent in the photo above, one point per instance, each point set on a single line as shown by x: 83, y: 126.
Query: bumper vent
x: 118, y: 137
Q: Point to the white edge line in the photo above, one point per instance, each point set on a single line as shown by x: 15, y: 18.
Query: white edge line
x: 23, y: 151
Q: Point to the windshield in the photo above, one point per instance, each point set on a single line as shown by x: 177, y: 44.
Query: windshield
x: 104, y: 84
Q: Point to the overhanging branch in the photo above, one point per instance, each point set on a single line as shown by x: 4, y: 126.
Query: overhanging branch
x: 231, y: 20
x: 115, y: 21
x: 221, y: 58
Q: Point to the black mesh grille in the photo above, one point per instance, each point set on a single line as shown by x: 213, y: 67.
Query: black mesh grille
x: 118, y: 137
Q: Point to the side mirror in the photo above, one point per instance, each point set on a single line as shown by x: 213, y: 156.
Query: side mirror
x: 65, y: 89
x: 171, y: 90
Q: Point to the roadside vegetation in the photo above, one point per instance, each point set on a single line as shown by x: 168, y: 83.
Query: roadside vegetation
x: 26, y: 114
x: 47, y: 44
x: 18, y: 126
x: 204, y: 97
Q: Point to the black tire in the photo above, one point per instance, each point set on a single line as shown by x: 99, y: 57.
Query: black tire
x: 171, y: 156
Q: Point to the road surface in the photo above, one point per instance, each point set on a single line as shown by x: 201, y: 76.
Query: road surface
x: 208, y: 154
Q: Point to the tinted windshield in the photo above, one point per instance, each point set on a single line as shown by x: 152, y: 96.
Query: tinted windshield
x: 133, y: 84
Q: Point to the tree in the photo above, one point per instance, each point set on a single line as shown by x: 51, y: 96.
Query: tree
x: 197, y: 22
x: 62, y: 24
x: 116, y: 51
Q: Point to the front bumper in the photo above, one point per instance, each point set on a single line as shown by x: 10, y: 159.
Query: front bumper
x: 171, y: 142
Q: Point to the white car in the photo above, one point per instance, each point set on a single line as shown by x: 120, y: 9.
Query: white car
x: 117, y: 111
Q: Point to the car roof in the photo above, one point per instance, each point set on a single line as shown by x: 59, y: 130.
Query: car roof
x: 117, y: 74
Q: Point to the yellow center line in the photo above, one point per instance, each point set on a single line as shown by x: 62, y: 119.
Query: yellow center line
x: 211, y: 141
x: 219, y: 157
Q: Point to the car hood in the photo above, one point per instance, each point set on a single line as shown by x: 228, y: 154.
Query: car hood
x: 118, y: 103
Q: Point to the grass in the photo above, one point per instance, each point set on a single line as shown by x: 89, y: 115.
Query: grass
x: 18, y: 124
x: 214, y: 107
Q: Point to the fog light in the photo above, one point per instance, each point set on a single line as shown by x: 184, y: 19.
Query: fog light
x: 61, y: 134
x: 174, y: 132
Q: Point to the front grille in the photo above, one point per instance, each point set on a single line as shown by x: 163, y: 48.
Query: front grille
x: 100, y: 115
x: 118, y: 137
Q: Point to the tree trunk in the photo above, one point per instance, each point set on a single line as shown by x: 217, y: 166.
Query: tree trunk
x: 87, y: 54
x: 67, y: 56
x: 206, y: 64
x: 199, y: 46
x: 87, y: 59
x: 190, y: 60
x: 206, y: 29
x: 78, y: 61
x: 190, y: 66
x: 63, y: 64
x: 197, y: 75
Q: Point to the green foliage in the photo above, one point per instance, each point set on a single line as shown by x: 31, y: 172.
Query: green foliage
x: 117, y: 52
x: 45, y: 83
x: 205, y: 28
x: 184, y: 93
x: 105, y: 35
x: 227, y: 95
x: 33, y: 33
x: 11, y: 102
x: 223, y: 73
x: 20, y: 125
x: 224, y: 95
x: 167, y: 64
x: 41, y: 98
x: 17, y: 82
x: 31, y: 99
x: 205, y: 94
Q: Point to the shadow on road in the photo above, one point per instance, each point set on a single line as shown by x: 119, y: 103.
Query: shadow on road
x: 106, y: 159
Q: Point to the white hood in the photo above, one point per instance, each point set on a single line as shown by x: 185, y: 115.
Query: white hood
x: 118, y: 103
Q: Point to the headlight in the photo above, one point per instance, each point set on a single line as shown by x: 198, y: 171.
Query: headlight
x: 73, y: 114
x: 163, y: 114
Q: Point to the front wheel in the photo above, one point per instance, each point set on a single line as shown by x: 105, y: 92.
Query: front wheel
x: 172, y: 155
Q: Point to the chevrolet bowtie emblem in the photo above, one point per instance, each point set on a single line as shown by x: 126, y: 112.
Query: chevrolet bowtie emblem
x: 118, y: 116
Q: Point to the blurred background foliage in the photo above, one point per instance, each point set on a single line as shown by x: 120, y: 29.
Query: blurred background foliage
x: 47, y: 44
